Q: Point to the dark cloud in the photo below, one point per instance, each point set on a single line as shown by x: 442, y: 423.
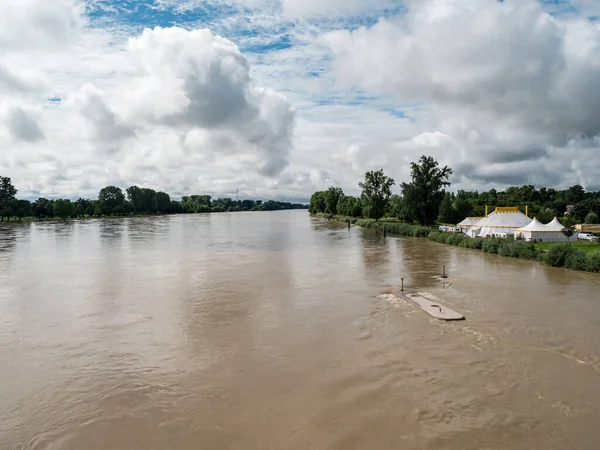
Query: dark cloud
x: 23, y: 126
x: 510, y: 156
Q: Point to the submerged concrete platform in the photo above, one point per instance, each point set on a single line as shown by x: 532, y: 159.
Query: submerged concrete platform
x: 430, y: 304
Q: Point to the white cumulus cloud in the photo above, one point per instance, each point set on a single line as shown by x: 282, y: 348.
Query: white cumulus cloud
x: 503, y: 79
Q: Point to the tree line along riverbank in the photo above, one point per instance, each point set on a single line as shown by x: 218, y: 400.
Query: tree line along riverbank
x: 424, y: 202
x: 565, y: 255
x: 113, y: 202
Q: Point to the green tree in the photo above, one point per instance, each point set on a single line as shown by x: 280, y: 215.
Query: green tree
x: 568, y: 232
x: 376, y: 192
x: 447, y: 211
x: 149, y: 200
x: 545, y: 215
x: 575, y: 194
x: 349, y: 206
x: 42, y: 208
x: 82, y: 207
x: 163, y: 202
x: 109, y: 198
x: 63, y: 208
x: 7, y: 197
x: 22, y: 208
x: 332, y: 197
x: 317, y: 203
x: 136, y: 196
x: 591, y: 218
x: 425, y: 192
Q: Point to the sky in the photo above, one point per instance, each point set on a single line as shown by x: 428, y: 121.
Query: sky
x: 280, y: 98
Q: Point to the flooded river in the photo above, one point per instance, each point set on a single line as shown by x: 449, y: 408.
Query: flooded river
x: 270, y: 331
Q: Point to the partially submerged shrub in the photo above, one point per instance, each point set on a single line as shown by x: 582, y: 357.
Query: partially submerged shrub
x: 491, y: 245
x: 593, y: 262
x: 576, y: 260
x: 558, y: 254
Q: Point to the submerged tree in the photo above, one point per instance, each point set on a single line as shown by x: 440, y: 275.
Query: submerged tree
x: 424, y: 194
x: 376, y: 192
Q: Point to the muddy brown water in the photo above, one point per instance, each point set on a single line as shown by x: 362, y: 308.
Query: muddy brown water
x: 270, y: 331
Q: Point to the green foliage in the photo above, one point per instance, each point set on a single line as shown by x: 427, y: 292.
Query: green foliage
x: 349, y: 206
x: 398, y: 228
x: 425, y: 192
x: 568, y: 232
x: 517, y: 249
x: 110, y: 198
x: 317, y: 203
x: 576, y: 260
x: 545, y: 215
x: 491, y: 245
x: 7, y: 197
x: 591, y: 218
x: 454, y: 209
x: 332, y: 197
x: 43, y: 208
x: 593, y: 262
x: 558, y: 254
x: 376, y: 192
x: 63, y: 208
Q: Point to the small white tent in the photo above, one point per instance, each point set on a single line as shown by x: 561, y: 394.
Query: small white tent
x: 534, y: 231
x: 466, y: 224
x: 538, y: 232
x: 501, y: 223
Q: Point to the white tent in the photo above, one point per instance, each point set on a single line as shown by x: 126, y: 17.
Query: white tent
x: 536, y: 231
x: 466, y: 224
x: 501, y: 223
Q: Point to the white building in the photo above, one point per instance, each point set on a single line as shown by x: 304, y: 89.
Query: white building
x: 502, y: 222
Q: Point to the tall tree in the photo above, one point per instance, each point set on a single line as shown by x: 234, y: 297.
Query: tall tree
x: 63, y: 208
x: 163, y: 202
x: 110, y: 198
x: 425, y: 192
x: 149, y: 196
x: 22, y: 208
x: 376, y: 192
x: 447, y: 211
x: 591, y: 218
x: 136, y: 196
x: 317, y: 203
x: 332, y: 197
x: 7, y: 197
x: 43, y: 208
x: 83, y: 207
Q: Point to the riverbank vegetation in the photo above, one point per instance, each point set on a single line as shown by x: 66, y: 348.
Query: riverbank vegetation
x: 424, y: 201
x: 112, y: 201
x: 575, y: 255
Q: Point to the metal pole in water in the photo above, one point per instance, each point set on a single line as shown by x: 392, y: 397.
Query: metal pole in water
x: 444, y: 271
x: 384, y: 230
x: 348, y: 224
x: 402, y: 286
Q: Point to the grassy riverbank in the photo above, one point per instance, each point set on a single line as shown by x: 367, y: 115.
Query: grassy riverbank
x: 582, y: 256
x: 584, y: 246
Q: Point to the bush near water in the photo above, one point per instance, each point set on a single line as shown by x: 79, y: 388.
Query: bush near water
x: 559, y: 255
